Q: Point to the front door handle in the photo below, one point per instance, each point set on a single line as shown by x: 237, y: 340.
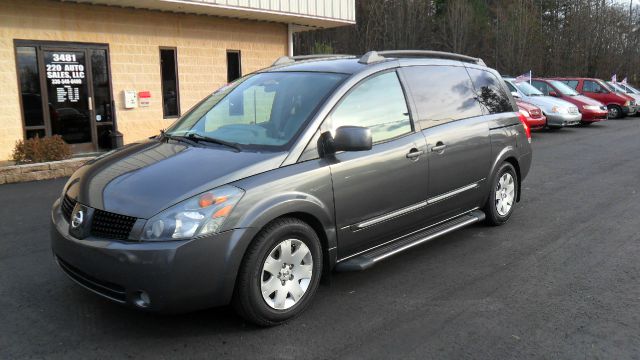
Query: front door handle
x: 414, y: 154
x: 440, y: 146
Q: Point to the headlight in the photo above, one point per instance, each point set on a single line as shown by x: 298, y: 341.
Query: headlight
x: 626, y: 103
x: 524, y: 112
x: 591, y: 107
x: 200, y: 215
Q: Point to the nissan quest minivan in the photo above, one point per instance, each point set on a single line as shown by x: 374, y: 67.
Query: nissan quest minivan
x: 310, y: 166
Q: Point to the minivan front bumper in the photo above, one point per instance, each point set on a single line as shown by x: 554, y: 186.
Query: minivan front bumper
x: 176, y: 276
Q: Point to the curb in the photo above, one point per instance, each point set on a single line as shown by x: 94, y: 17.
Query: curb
x: 40, y: 171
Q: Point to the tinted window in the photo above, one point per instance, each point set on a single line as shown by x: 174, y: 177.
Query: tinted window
x: 377, y: 103
x: 489, y: 93
x: 169, y: 75
x: 30, y: 87
x: 442, y: 93
x: 234, y: 70
x: 592, y: 86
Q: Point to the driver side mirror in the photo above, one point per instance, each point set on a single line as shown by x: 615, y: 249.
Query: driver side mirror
x: 348, y: 138
x: 515, y: 95
x: 553, y: 93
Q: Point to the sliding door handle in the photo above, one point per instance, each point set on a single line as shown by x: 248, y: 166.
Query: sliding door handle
x: 440, y: 146
x: 414, y: 154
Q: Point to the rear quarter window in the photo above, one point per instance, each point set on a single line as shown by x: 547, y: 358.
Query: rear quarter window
x: 489, y: 92
x: 441, y: 93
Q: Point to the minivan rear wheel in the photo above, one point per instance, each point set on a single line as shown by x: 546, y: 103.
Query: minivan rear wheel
x: 503, y: 195
x: 279, y: 274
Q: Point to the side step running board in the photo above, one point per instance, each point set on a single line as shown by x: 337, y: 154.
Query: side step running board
x: 368, y: 259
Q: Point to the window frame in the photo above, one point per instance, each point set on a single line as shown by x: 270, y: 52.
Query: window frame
x: 323, y: 125
x: 177, y: 74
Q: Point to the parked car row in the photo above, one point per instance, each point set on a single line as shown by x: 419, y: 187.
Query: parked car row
x: 569, y: 101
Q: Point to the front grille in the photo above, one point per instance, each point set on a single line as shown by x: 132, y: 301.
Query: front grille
x: 67, y: 206
x: 107, y: 289
x: 111, y: 226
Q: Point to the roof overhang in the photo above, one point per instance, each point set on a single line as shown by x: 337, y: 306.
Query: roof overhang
x: 305, y: 13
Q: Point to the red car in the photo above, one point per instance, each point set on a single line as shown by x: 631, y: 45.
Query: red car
x: 619, y: 105
x: 533, y: 115
x: 591, y: 110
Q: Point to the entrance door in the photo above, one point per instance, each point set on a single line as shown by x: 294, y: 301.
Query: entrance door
x: 70, y: 107
x: 66, y: 91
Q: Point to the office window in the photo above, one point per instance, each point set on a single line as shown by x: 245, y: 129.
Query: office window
x: 29, y: 76
x: 234, y: 68
x: 170, y: 89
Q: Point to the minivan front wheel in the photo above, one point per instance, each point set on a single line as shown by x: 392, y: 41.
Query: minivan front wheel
x: 615, y: 112
x: 279, y: 274
x: 503, y: 195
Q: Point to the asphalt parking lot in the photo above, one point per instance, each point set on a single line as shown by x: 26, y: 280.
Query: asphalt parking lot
x: 561, y: 280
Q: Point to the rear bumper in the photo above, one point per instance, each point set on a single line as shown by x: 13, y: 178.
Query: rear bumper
x: 178, y: 276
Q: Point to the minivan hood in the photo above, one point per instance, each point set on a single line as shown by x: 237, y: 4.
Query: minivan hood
x: 143, y: 179
x: 585, y: 100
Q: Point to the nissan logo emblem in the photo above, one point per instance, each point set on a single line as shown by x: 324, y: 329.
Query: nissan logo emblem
x: 77, y: 219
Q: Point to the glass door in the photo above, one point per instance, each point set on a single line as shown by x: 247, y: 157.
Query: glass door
x: 69, y: 100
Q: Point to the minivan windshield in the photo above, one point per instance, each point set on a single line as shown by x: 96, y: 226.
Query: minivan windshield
x: 262, y: 111
x: 527, y: 89
x: 563, y: 88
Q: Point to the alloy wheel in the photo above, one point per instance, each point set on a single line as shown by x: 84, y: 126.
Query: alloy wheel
x: 286, y: 274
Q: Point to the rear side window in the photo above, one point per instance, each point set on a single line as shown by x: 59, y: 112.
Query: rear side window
x: 489, y: 92
x: 377, y: 103
x: 441, y: 93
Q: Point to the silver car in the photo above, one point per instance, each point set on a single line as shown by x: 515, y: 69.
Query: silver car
x: 559, y: 113
x: 620, y: 89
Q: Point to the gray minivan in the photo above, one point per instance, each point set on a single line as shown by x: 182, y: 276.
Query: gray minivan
x: 310, y: 166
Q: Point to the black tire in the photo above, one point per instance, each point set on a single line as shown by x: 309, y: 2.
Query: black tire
x: 248, y: 300
x: 490, y: 209
x: 615, y: 112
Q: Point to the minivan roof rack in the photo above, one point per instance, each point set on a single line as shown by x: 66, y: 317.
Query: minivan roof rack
x: 375, y: 56
x: 291, y: 59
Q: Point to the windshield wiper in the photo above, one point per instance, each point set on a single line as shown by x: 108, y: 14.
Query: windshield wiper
x: 164, y: 135
x: 197, y: 137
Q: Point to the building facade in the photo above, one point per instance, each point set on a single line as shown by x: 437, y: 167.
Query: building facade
x: 89, y: 69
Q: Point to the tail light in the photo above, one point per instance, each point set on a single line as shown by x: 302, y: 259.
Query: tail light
x: 527, y: 129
